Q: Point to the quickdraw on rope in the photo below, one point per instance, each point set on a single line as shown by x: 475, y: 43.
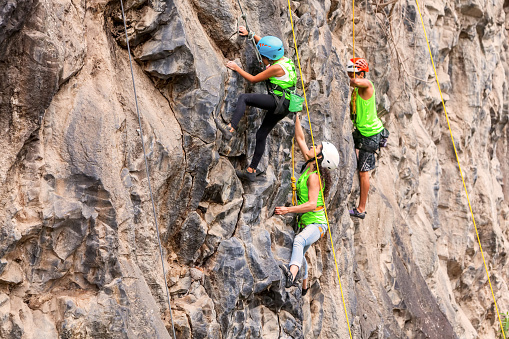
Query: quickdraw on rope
x: 318, y: 170
x: 147, y: 170
x: 461, y: 173
x: 294, y: 186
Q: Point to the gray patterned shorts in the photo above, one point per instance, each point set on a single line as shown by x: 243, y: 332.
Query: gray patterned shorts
x: 366, y: 161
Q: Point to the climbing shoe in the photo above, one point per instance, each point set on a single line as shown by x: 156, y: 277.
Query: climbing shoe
x: 289, y: 276
x: 305, y: 291
x: 357, y: 214
x: 224, y: 128
x: 245, y: 175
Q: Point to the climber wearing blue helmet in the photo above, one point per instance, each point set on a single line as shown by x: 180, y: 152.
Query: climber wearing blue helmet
x: 271, y: 47
x: 281, y: 76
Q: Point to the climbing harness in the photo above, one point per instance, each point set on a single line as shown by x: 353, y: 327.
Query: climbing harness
x: 384, y: 136
x: 280, y: 99
x: 318, y: 170
x: 295, y: 101
x: 461, y: 173
x: 368, y: 144
x: 147, y: 170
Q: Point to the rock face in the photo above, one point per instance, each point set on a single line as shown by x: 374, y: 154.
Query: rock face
x: 78, y: 249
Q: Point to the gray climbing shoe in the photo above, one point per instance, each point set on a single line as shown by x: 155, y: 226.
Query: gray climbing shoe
x: 224, y: 128
x: 245, y: 175
x: 288, y: 275
x: 357, y: 214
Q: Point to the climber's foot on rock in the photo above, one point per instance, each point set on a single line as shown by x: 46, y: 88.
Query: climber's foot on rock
x: 357, y: 214
x: 227, y: 130
x: 246, y: 175
x: 288, y: 275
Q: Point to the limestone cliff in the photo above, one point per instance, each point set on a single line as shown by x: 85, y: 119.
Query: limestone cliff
x: 78, y: 247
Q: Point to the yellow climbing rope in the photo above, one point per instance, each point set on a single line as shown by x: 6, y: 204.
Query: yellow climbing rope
x: 319, y: 175
x: 461, y: 173
x: 294, y: 186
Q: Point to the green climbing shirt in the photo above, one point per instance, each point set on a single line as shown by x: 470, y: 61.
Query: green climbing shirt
x: 287, y: 80
x: 314, y: 217
x: 367, y: 121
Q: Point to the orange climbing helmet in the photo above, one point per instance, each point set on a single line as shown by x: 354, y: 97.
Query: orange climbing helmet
x: 357, y: 65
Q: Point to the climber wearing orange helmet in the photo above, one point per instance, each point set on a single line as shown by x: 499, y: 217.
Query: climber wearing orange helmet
x: 368, y: 127
x: 281, y: 76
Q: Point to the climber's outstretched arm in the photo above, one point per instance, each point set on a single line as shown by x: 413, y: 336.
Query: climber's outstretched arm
x: 272, y: 71
x: 366, y: 89
x: 360, y: 83
x: 301, y: 139
x: 313, y: 190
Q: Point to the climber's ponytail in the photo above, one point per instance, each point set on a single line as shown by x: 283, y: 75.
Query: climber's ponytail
x: 326, y: 180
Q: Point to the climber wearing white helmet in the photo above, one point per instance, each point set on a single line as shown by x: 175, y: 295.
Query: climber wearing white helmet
x: 281, y: 76
x: 369, y: 130
x: 310, y: 202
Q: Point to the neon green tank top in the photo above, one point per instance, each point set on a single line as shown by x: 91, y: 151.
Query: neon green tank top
x: 287, y: 80
x: 313, y: 217
x: 367, y: 121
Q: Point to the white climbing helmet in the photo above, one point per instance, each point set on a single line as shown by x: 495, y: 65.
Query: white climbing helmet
x: 357, y: 65
x: 330, y: 156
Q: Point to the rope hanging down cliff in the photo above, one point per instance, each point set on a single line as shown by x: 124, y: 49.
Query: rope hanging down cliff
x: 459, y: 167
x: 251, y: 37
x: 147, y: 170
x: 294, y: 186
x: 317, y: 167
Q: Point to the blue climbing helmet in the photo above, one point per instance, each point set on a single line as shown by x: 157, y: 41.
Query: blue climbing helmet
x: 271, y: 47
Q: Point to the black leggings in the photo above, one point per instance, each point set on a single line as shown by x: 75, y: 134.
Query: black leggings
x: 263, y: 101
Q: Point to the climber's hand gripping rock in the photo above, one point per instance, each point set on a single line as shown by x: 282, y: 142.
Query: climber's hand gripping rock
x: 282, y: 210
x: 233, y: 66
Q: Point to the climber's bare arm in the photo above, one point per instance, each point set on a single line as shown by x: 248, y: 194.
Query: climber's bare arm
x: 365, y: 87
x: 360, y: 83
x: 272, y: 71
x: 313, y: 190
x: 300, y: 138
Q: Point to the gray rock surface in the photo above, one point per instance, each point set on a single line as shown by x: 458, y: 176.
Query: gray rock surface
x: 78, y: 250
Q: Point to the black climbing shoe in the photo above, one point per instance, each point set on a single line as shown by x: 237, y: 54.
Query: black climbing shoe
x: 357, y: 214
x: 224, y: 128
x: 245, y: 175
x: 305, y: 291
x: 289, y: 276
